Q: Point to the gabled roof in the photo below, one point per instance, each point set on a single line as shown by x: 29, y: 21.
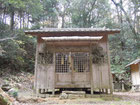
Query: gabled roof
x: 68, y: 31
x: 134, y: 62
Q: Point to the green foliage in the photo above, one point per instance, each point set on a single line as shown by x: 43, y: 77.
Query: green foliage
x: 98, y: 55
x: 124, y: 50
x: 49, y: 16
x: 18, y: 52
x: 89, y: 13
x: 35, y: 9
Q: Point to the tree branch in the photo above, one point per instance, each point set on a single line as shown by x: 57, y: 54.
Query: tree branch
x: 8, y: 38
x: 127, y: 18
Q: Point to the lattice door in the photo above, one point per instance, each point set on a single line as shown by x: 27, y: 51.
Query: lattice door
x: 72, y: 62
x: 62, y: 64
x: 72, y: 68
x: 80, y: 62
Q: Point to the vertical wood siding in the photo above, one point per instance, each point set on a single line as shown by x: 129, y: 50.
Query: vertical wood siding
x: 45, y: 74
x: 101, y: 71
x: 135, y: 74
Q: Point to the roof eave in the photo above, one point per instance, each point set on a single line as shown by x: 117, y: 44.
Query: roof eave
x: 72, y: 33
x: 133, y: 63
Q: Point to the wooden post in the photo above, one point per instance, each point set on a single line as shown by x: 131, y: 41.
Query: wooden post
x: 109, y: 70
x: 54, y: 72
x: 37, y: 92
x: 106, y: 91
x: 36, y: 65
x: 53, y: 92
x: 122, y: 83
x: 72, y: 69
x: 101, y: 84
x: 91, y: 71
x: 100, y: 90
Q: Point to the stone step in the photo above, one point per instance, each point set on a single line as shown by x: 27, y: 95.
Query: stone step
x: 74, y: 92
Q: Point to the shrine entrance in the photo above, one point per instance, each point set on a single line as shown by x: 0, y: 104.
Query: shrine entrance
x: 72, y: 69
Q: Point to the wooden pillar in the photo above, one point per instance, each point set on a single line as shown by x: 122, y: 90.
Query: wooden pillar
x: 106, y: 91
x: 91, y: 71
x: 102, y: 90
x: 36, y: 66
x: 109, y: 70
x: 53, y: 92
x: 37, y: 92
x: 122, y: 83
x: 91, y: 91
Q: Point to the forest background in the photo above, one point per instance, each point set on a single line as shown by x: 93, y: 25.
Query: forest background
x: 17, y: 50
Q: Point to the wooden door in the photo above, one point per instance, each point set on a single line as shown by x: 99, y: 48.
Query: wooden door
x: 72, y: 69
x: 80, y: 69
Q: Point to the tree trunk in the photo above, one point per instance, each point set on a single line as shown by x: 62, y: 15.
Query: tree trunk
x: 28, y: 20
x: 20, y: 21
x: 127, y: 18
x: 12, y: 19
x: 129, y: 21
x: 63, y: 21
x: 4, y: 11
x: 23, y: 21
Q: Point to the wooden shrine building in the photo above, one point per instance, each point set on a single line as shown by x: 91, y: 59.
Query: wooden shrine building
x: 135, y: 74
x: 72, y: 58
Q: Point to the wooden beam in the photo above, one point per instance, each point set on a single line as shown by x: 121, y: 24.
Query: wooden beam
x: 71, y: 43
x: 70, y: 38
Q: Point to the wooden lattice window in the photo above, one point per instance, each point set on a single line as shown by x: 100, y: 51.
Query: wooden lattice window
x: 72, y: 62
x: 80, y: 61
x: 45, y: 58
x: 62, y: 62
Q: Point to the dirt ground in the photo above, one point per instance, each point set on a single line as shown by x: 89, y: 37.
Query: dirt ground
x: 24, y: 82
x: 118, y: 98
x: 133, y: 96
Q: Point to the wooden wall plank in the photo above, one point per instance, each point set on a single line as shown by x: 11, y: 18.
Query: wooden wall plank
x: 109, y: 69
x: 104, y: 67
x: 135, y: 74
x: 96, y: 76
x: 101, y: 72
x: 44, y: 72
